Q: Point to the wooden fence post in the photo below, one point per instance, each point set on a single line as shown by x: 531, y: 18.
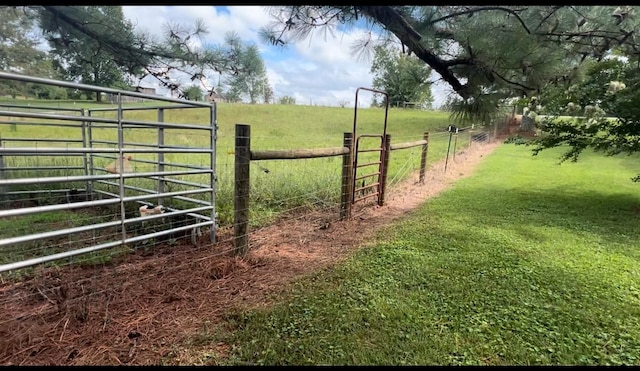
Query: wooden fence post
x: 241, y: 189
x: 347, y: 178
x: 385, y: 168
x: 423, y: 158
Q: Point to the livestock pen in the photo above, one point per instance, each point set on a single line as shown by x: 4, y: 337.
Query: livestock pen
x: 82, y: 196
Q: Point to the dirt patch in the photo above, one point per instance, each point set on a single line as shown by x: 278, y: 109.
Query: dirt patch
x: 136, y: 312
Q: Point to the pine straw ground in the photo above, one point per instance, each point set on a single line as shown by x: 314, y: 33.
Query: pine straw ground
x: 138, y: 311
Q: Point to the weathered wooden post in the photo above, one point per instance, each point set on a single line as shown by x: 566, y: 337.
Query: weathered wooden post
x: 241, y: 189
x: 385, y: 168
x: 347, y: 178
x: 423, y: 158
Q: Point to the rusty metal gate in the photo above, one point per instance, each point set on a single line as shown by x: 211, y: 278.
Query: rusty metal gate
x: 368, y: 182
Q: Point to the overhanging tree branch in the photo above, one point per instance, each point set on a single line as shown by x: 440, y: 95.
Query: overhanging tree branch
x: 395, y: 23
x: 514, y: 83
x: 482, y: 9
x: 552, y: 12
x: 114, y: 45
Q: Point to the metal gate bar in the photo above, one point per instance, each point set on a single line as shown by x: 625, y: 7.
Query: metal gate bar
x: 377, y: 185
x: 200, y: 213
x: 363, y: 189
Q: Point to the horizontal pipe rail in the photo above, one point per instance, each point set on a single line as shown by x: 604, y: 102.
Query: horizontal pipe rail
x: 365, y: 197
x: 73, y: 85
x: 84, y: 250
x: 178, y: 181
x: 40, y: 107
x: 139, y: 189
x: 174, y: 164
x: 48, y: 150
x: 53, y: 116
x: 146, y: 125
x: 369, y: 164
x: 78, y: 205
x: 166, y: 194
x: 80, y: 178
x: 68, y: 206
x: 370, y: 150
x: 192, y: 200
x: 148, y: 191
x: 298, y: 153
x: 372, y: 185
x: 108, y: 109
x: 168, y: 208
x: 42, y: 168
x: 367, y: 176
x: 42, y: 191
x: 4, y: 122
x: 37, y: 154
x: 143, y: 144
x: 370, y: 136
x: 408, y: 144
x: 86, y: 228
x: 151, y: 124
x: 52, y: 140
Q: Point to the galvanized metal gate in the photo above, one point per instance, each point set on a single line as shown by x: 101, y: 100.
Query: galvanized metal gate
x: 190, y: 205
x: 368, y: 182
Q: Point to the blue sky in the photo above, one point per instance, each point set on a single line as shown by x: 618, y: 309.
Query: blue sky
x: 320, y: 70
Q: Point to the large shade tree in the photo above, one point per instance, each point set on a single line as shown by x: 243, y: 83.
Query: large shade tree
x: 487, y: 54
x: 253, y: 81
x: 403, y: 77
x: 139, y: 54
x: 484, y: 53
x: 19, y: 50
x: 82, y: 58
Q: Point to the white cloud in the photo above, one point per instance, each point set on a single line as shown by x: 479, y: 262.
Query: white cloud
x: 319, y: 70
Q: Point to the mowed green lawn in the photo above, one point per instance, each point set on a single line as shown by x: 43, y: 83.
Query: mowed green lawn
x: 525, y: 263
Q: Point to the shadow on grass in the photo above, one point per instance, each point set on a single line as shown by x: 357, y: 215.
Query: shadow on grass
x: 631, y: 162
x: 446, y: 299
x: 612, y: 217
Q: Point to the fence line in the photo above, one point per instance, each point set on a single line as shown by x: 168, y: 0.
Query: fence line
x: 244, y: 155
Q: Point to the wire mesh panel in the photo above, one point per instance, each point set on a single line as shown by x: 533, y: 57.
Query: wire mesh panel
x: 88, y: 184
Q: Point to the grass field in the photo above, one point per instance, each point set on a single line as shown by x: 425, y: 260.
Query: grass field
x: 277, y: 185
x: 525, y: 263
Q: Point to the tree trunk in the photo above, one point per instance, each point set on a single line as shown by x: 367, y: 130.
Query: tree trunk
x: 527, y: 124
